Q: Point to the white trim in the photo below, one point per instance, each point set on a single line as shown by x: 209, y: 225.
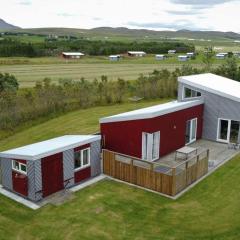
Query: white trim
x: 228, y: 131
x: 20, y: 164
x: 14, y: 155
x: 189, y: 98
x: 152, y: 112
x: 189, y: 80
x: 89, y: 159
x: 191, y: 125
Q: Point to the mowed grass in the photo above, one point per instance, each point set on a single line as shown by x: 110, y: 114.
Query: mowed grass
x: 113, y: 211
x: 30, y: 70
x: 110, y: 210
x: 84, y: 121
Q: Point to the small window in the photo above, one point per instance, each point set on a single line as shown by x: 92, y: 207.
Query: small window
x: 85, y: 154
x: 20, y: 167
x: 82, y: 158
x: 189, y: 93
x: 77, y: 159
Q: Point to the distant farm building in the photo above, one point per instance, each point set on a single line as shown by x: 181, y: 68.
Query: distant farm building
x: 221, y: 55
x: 236, y: 54
x: 72, y: 55
x: 114, y: 58
x: 190, y: 54
x: 136, y: 53
x: 182, y: 58
x: 172, y: 51
x: 160, y: 57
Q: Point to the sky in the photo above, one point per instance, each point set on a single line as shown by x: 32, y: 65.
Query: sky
x: 220, y: 15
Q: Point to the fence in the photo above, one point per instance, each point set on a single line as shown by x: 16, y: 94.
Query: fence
x: 156, y: 176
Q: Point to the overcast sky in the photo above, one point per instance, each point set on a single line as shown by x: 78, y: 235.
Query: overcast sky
x: 220, y: 15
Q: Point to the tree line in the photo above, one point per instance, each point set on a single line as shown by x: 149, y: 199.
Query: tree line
x: 13, y: 47
x: 47, y: 99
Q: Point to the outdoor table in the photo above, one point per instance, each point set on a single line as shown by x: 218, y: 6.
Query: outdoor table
x: 186, y: 151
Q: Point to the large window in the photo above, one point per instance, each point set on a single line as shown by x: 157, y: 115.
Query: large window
x: 82, y: 158
x: 189, y: 93
x: 228, y: 131
x: 18, y: 166
x: 150, y: 146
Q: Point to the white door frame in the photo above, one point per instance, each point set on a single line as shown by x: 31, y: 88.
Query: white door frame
x: 191, y: 139
x: 228, y: 131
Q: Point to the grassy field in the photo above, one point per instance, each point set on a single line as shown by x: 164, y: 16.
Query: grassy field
x: 83, y: 121
x: 30, y: 70
x: 112, y: 211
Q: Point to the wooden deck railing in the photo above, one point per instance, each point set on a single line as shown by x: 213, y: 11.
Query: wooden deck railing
x: 155, y: 176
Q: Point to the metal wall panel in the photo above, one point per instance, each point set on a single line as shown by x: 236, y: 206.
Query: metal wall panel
x: 34, y: 173
x: 95, y: 158
x: 215, y: 106
x: 68, y: 168
x: 6, y: 168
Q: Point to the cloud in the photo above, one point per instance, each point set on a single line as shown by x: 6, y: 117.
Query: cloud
x: 25, y: 2
x: 177, y: 25
x: 184, y: 12
x: 201, y: 4
x: 64, y: 14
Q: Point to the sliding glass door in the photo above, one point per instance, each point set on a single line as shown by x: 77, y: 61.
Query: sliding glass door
x: 191, y: 131
x: 228, y: 130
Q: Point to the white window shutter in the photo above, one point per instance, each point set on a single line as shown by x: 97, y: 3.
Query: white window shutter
x: 149, y: 146
x: 144, y: 144
x: 156, y: 145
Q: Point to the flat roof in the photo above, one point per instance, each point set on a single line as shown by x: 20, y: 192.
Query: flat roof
x: 215, y: 84
x: 73, y: 53
x: 49, y: 147
x: 151, y: 112
x: 136, y: 52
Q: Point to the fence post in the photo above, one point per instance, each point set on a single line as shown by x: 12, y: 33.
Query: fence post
x: 173, y: 181
x: 131, y: 171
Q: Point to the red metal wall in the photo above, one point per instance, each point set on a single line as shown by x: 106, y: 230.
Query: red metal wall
x: 126, y: 136
x: 82, y: 174
x: 52, y: 174
x: 20, y: 183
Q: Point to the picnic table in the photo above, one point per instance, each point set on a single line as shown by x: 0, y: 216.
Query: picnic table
x: 185, y: 152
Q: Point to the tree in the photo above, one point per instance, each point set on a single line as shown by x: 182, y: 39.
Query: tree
x: 8, y: 83
x: 208, y: 59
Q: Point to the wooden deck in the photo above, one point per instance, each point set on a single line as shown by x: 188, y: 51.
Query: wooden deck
x: 156, y: 176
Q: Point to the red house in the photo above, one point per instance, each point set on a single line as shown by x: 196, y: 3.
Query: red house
x: 154, y: 131
x: 38, y: 170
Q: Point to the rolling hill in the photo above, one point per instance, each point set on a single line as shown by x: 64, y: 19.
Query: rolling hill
x: 7, y: 26
x: 133, y: 34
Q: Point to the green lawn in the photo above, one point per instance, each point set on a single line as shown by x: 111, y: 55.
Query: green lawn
x: 83, y: 121
x: 110, y: 210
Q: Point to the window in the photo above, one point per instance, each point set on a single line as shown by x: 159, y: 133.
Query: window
x: 189, y: 93
x: 150, y: 146
x: 228, y: 131
x: 18, y: 166
x: 82, y: 159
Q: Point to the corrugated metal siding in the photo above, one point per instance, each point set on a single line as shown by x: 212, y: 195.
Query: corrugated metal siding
x: 6, y: 165
x: 95, y: 158
x: 215, y: 107
x: 34, y: 173
x: 68, y: 168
